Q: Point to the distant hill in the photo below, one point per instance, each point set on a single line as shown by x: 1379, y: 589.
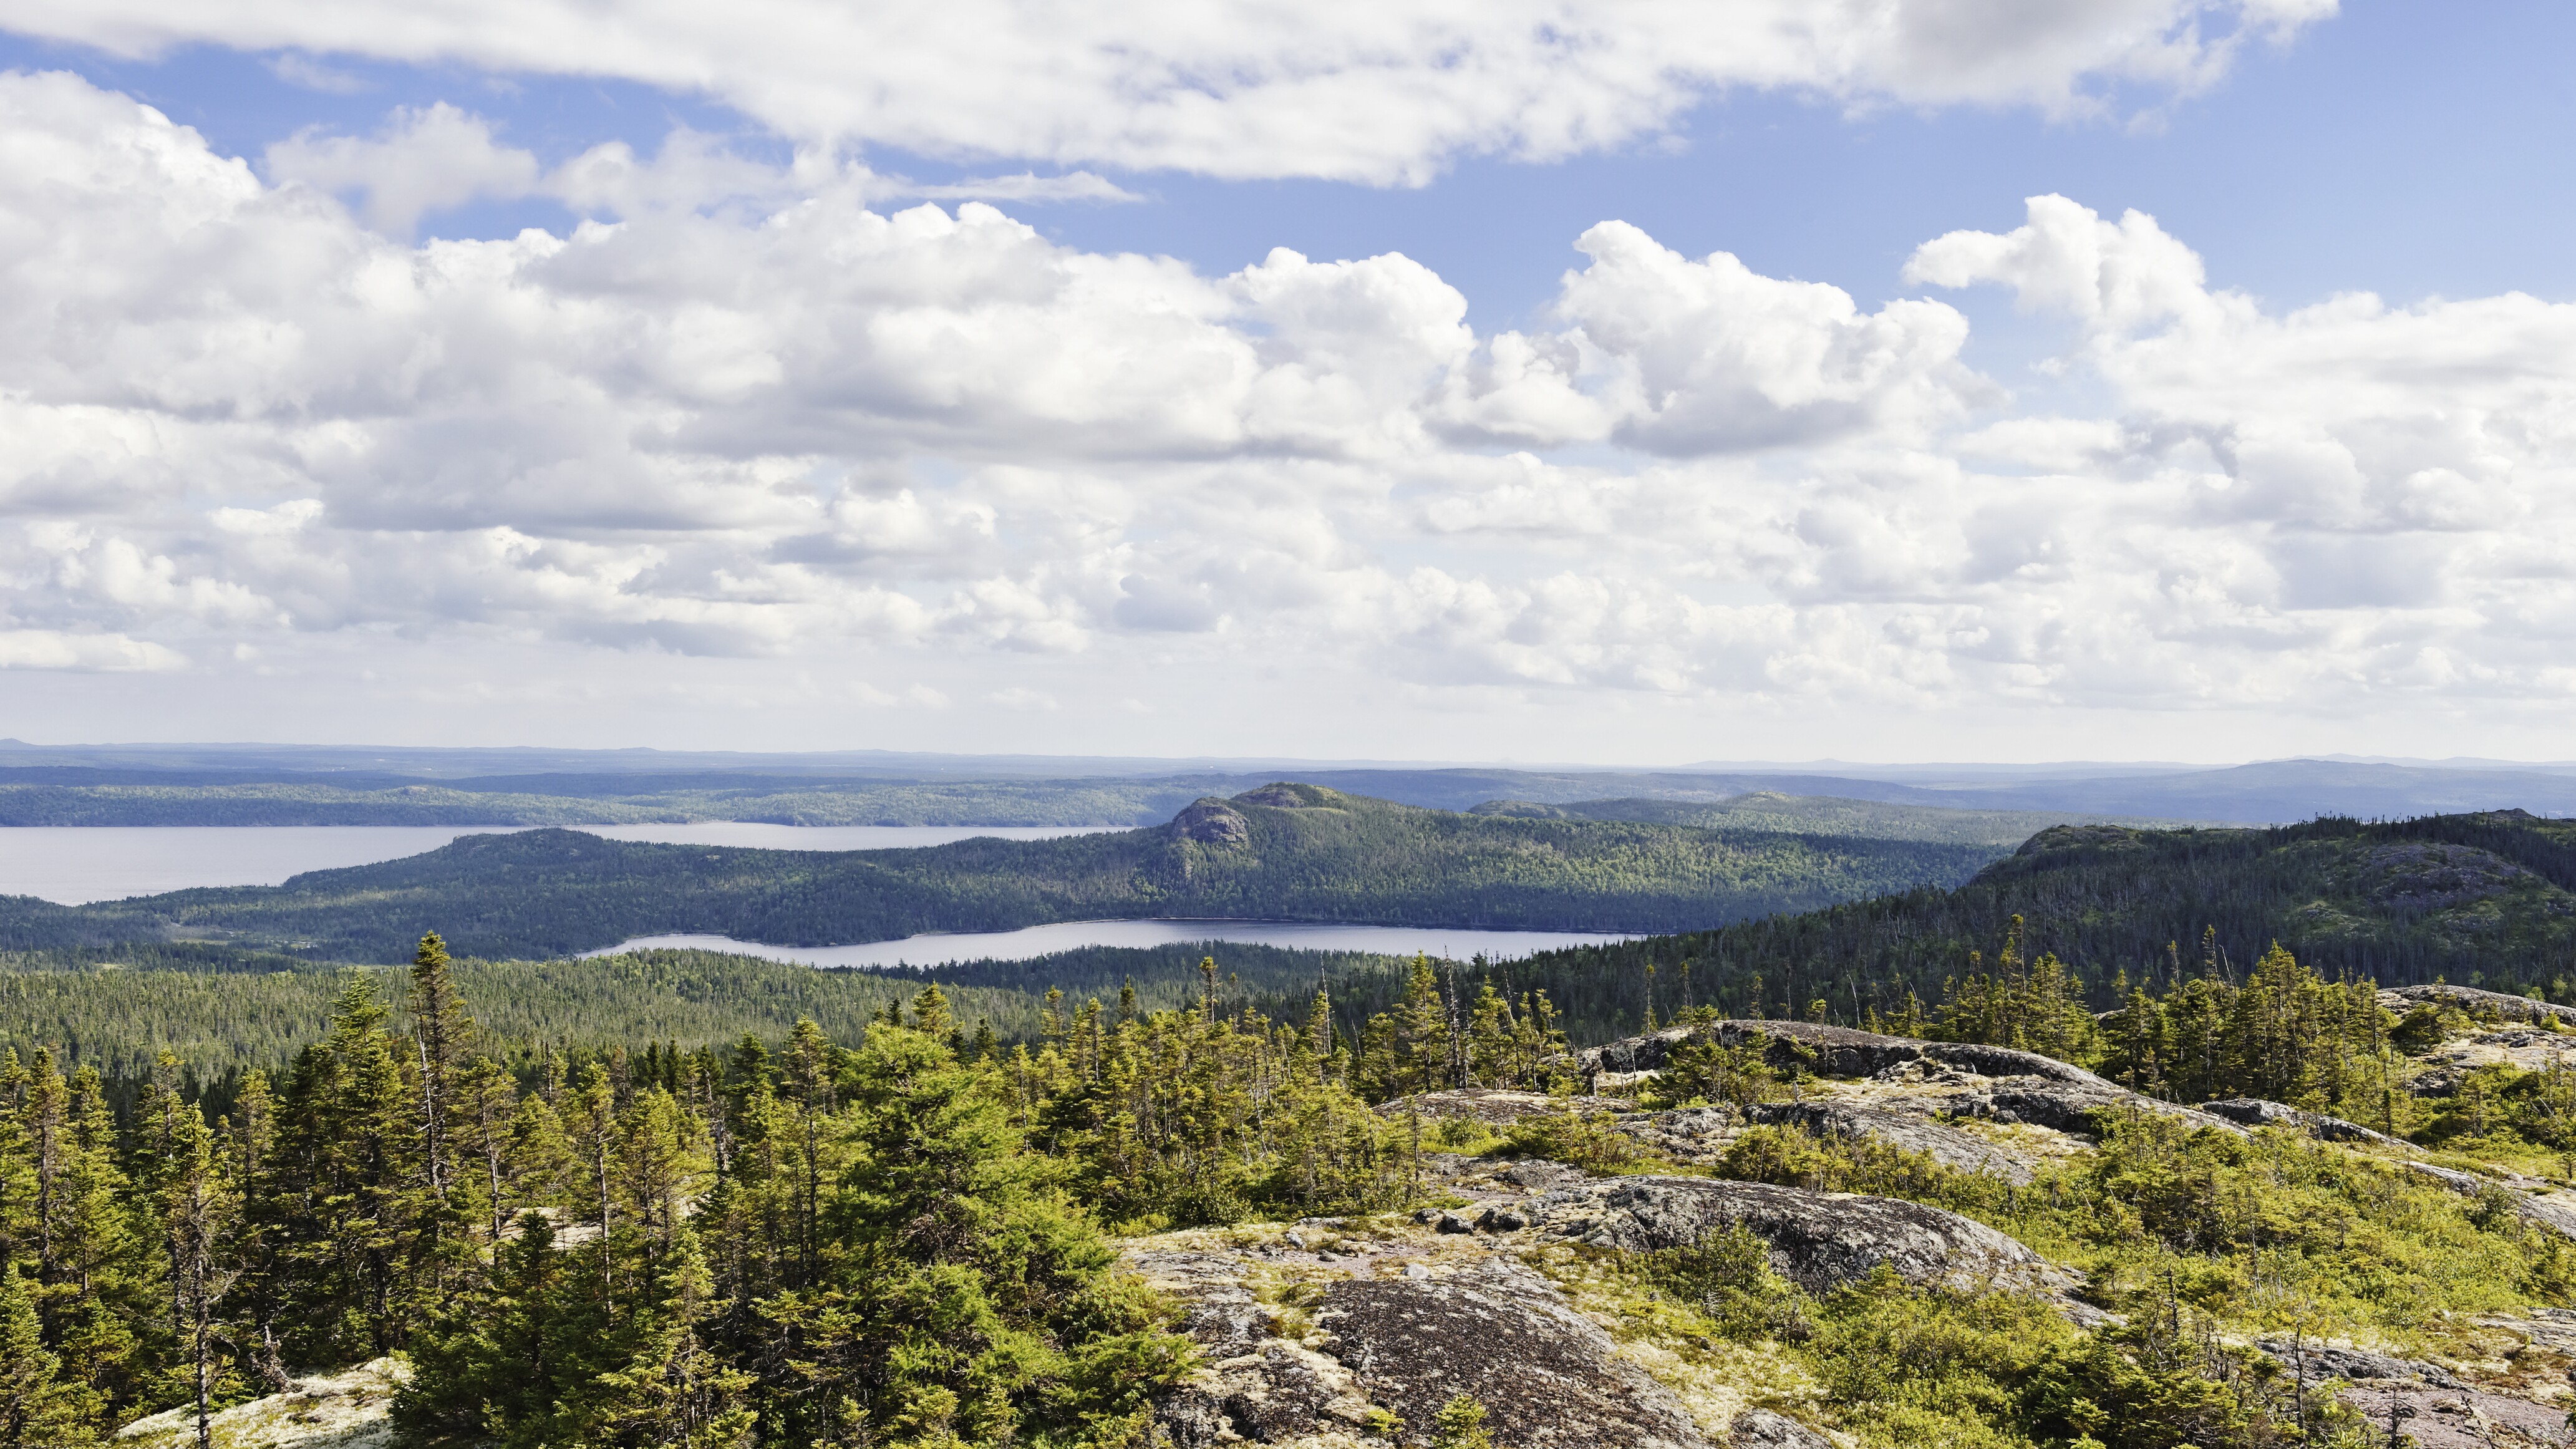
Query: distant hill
x: 2480, y: 899
x: 2281, y: 791
x: 279, y: 786
x: 1812, y: 815
x: 1281, y: 852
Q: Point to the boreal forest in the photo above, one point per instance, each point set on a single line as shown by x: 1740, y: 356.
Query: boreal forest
x: 2224, y: 1104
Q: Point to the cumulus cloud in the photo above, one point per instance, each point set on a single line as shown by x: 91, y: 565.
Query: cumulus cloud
x: 1381, y: 91
x: 806, y: 422
x: 101, y: 653
x: 1683, y: 357
x: 425, y: 159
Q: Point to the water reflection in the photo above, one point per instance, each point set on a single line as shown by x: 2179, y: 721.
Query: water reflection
x: 1045, y: 940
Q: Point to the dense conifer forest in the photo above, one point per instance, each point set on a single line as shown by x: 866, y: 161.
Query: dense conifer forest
x: 2487, y: 899
x: 892, y: 1237
x: 1284, y: 852
x: 899, y: 1230
x: 679, y: 1198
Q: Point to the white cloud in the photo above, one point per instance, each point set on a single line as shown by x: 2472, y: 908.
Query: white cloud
x: 1709, y: 356
x: 1026, y: 187
x: 85, y: 653
x: 424, y: 160
x: 312, y: 75
x: 802, y: 426
x: 1372, y: 90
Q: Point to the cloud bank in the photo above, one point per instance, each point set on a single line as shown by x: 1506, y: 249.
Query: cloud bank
x: 1381, y: 91
x: 804, y: 426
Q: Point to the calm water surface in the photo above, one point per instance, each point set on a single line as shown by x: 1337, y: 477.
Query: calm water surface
x: 75, y: 864
x: 1041, y: 940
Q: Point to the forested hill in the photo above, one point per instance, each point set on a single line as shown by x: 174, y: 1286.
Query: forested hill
x: 1281, y: 852
x: 2481, y: 899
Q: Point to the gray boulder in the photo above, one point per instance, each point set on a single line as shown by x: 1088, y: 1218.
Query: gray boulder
x: 2402, y: 999
x: 1496, y: 1107
x: 1834, y: 1051
x: 1504, y: 1336
x: 1402, y: 1341
x: 1818, y: 1240
x: 2255, y: 1112
x: 2323, y: 1361
x: 1211, y: 822
x: 1763, y: 1429
x: 1948, y: 1146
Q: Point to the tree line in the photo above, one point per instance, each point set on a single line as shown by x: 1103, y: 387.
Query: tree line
x: 2481, y: 900
x: 893, y: 1241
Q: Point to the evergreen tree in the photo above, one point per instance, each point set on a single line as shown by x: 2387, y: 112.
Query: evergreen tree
x: 39, y: 1408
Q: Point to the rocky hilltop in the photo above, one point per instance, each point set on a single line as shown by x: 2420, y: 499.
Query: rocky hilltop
x: 1522, y: 1291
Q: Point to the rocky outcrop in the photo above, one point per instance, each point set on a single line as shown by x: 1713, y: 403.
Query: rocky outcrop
x: 1763, y: 1429
x: 351, y: 1410
x: 1836, y: 1051
x: 2555, y: 1211
x: 2255, y: 1112
x: 2314, y: 1361
x: 1952, y: 1079
x: 2402, y: 999
x: 1502, y: 1335
x: 2427, y: 1402
x: 1700, y: 1136
x: 1369, y: 1343
x: 1211, y: 822
x: 1818, y: 1240
x: 2430, y: 1418
x: 1496, y: 1107
x: 1909, y: 1132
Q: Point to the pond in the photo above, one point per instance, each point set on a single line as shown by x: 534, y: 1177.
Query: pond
x: 1453, y: 942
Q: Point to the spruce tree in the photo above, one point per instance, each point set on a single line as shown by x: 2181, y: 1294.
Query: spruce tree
x: 38, y: 1406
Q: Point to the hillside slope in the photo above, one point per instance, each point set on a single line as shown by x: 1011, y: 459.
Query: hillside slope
x: 1283, y: 852
x: 2483, y: 899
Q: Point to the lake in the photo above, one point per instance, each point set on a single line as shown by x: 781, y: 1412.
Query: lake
x: 1041, y: 940
x: 77, y: 864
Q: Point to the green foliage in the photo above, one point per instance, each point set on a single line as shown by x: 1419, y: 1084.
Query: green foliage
x: 2276, y: 1231
x: 1791, y: 1157
x: 1192, y: 1117
x: 812, y: 1245
x: 1906, y: 1366
x: 1703, y: 1069
x: 2483, y: 900
x: 2285, y: 1035
x: 228, y: 1023
x: 1460, y: 1424
x: 1577, y: 1139
x: 2028, y: 1005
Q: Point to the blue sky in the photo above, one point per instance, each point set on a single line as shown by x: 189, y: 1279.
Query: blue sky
x: 1729, y: 516
x: 2410, y: 150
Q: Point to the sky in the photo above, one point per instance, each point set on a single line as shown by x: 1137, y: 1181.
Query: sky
x: 1630, y: 383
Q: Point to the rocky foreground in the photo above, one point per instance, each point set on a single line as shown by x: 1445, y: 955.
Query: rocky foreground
x: 1351, y: 1333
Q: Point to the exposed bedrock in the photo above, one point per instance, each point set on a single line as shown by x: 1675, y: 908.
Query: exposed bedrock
x: 1924, y: 1078
x: 1818, y: 1240
x: 2255, y: 1112
x: 1906, y: 1131
x: 2470, y: 999
x: 1837, y: 1051
x: 1394, y: 1337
